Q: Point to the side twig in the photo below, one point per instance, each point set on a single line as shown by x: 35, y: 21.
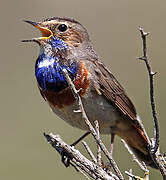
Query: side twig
x: 154, y: 147
x: 141, y: 165
x: 89, y: 152
x: 99, y: 160
x: 133, y: 156
x: 152, y: 99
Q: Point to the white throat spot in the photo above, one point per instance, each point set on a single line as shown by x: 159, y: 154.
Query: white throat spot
x: 46, y: 63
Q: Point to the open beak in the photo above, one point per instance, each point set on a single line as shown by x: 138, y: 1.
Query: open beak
x: 46, y: 33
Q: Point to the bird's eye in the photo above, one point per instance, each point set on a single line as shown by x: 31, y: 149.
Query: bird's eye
x: 62, y: 27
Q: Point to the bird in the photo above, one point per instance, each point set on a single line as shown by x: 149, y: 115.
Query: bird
x: 65, y: 44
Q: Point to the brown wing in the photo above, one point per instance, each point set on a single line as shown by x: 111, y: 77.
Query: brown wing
x: 113, y: 91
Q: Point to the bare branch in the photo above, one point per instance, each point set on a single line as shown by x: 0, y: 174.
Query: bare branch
x: 84, y: 174
x: 132, y: 176
x: 89, y: 152
x: 141, y: 165
x: 133, y: 156
x: 99, y: 161
x: 154, y: 148
x: 152, y: 99
x: 91, y: 129
x: 77, y: 158
x: 130, y: 171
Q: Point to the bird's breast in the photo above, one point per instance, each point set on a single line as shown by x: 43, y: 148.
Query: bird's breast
x: 65, y: 96
x: 49, y: 73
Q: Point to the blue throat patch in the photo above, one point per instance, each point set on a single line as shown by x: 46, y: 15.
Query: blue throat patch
x: 57, y: 43
x: 48, y: 69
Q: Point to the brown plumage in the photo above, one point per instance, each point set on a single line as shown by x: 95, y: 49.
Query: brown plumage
x: 103, y: 97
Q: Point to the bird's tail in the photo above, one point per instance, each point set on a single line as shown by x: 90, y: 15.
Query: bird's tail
x: 138, y: 143
x: 144, y: 157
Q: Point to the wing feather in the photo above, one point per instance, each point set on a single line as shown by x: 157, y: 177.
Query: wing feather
x: 113, y: 91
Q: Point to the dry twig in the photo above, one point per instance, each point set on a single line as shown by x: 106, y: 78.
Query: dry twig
x: 92, y: 169
x: 89, y: 152
x: 154, y: 147
x: 99, y: 160
x: 91, y: 129
x: 133, y: 156
x: 141, y: 165
x: 152, y: 98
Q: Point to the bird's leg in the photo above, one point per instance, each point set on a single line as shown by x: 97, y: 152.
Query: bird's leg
x: 112, y: 143
x: 65, y: 156
x: 81, y: 138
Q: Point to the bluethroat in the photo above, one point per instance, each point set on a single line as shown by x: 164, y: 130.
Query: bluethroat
x: 65, y: 44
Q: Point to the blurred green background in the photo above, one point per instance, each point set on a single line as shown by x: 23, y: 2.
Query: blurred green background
x: 112, y: 25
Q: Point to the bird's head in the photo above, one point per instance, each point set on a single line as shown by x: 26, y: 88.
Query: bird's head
x: 66, y: 31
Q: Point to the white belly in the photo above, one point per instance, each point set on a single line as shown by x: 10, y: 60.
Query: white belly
x: 97, y: 108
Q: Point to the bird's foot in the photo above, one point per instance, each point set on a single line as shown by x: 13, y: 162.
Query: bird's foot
x: 66, y: 157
